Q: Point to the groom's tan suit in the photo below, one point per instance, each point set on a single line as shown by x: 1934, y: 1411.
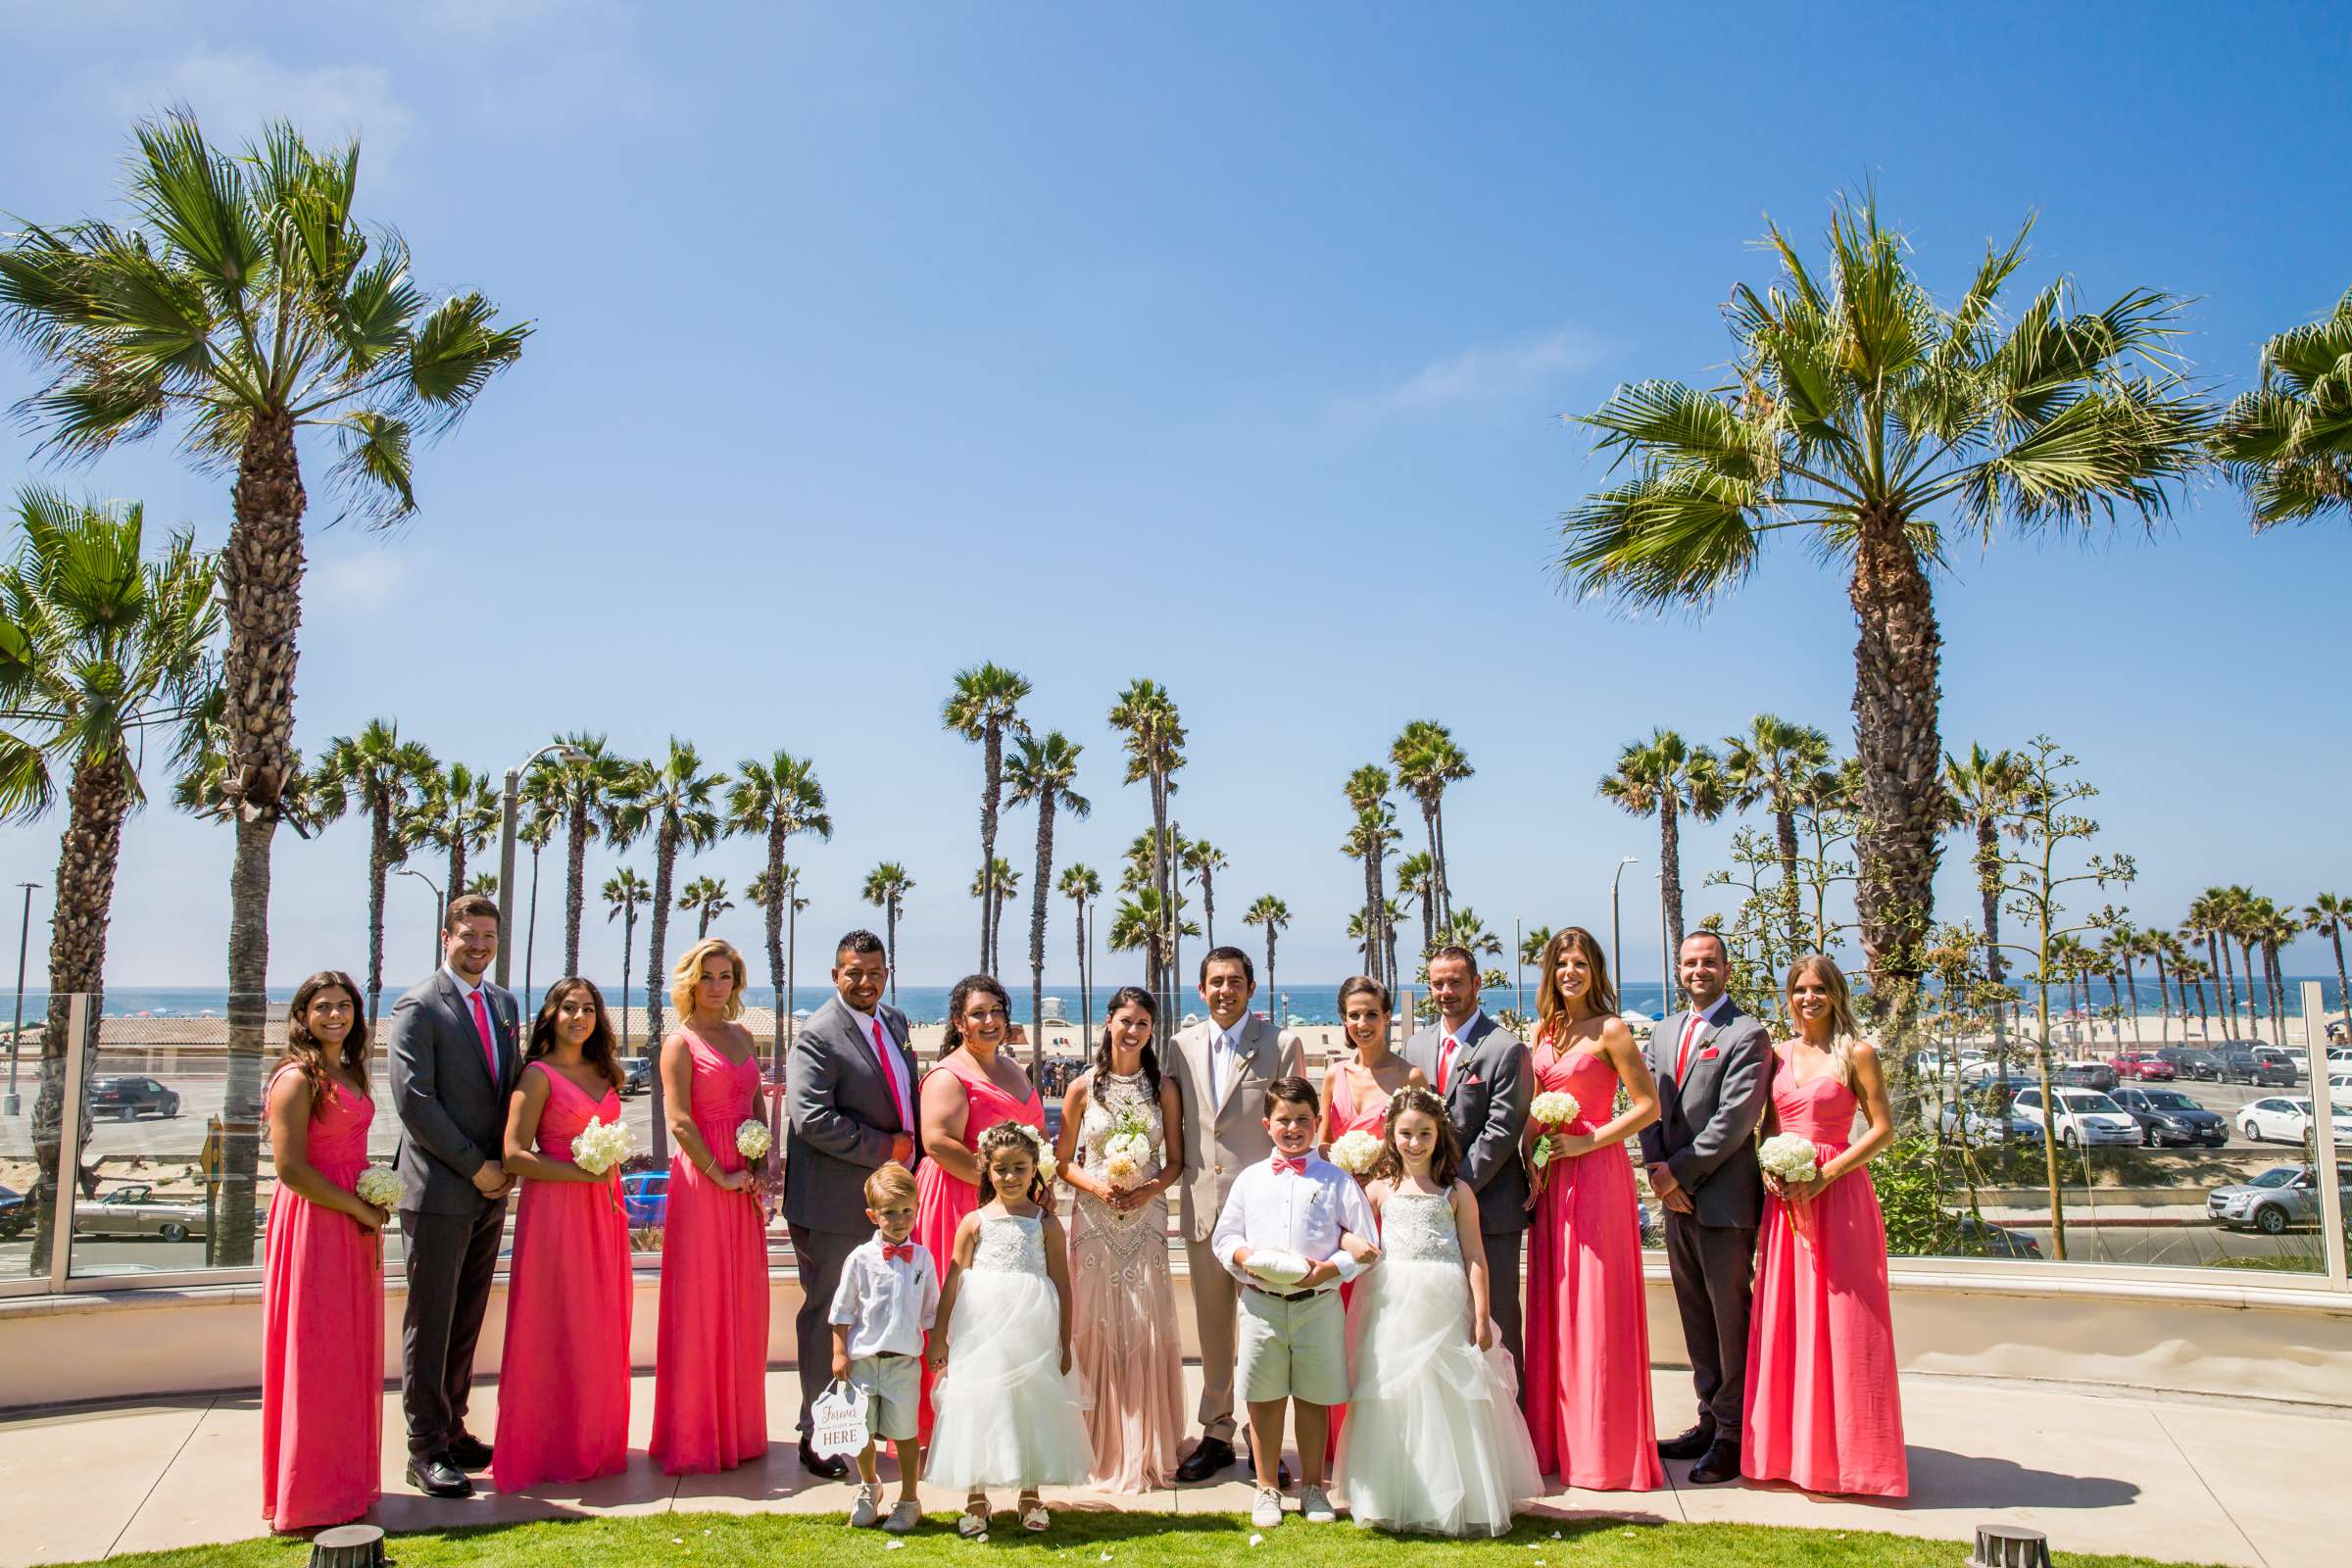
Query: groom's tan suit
x: 1223, y: 1088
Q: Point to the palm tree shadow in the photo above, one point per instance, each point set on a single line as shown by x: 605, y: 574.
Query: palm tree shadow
x: 1941, y: 1479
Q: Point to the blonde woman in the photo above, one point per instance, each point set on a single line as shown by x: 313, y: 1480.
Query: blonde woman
x: 711, y: 1362
x: 1822, y: 1409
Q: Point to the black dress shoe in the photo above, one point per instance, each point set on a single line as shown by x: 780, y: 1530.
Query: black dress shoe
x: 1213, y: 1455
x: 1721, y: 1462
x: 433, y: 1475
x: 467, y: 1452
x: 1690, y: 1444
x: 825, y: 1467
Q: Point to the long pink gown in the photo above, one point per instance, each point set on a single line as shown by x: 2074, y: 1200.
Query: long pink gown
x: 1588, y: 1321
x: 322, y: 1341
x: 1823, y: 1408
x: 563, y: 1381
x: 940, y: 1200
x: 710, y: 1359
x: 1350, y: 1115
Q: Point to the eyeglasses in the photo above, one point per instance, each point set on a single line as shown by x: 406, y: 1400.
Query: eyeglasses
x: 984, y: 1015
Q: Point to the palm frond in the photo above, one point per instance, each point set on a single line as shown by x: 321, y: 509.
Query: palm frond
x: 457, y: 351
x: 1670, y: 424
x: 376, y: 469
x: 197, y: 200
x: 1666, y: 538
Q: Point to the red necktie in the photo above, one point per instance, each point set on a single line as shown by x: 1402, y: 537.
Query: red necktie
x: 1445, y: 1061
x: 1682, y: 1058
x: 890, y: 1071
x: 897, y: 1251
x: 1295, y: 1166
x: 481, y: 1026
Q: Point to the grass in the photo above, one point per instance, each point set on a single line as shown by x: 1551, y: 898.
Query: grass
x: 1133, y: 1540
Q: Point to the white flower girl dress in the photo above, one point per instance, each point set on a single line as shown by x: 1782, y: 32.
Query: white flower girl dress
x: 1006, y: 1415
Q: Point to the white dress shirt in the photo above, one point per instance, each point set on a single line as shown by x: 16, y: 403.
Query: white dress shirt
x: 1224, y: 1055
x: 887, y: 1306
x: 894, y: 1071
x: 1292, y: 1212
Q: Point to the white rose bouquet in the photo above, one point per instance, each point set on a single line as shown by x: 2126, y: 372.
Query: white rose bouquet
x: 378, y: 1185
x: 752, y: 1140
x: 602, y: 1146
x: 1792, y: 1158
x: 1127, y: 1147
x: 1551, y: 1111
x: 1356, y: 1153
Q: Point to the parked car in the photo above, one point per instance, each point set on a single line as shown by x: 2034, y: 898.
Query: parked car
x: 645, y: 1197
x: 636, y: 1076
x: 136, y: 1211
x: 2084, y: 1118
x: 2243, y: 1065
x: 129, y: 1098
x: 15, y: 1214
x: 2286, y: 1119
x: 2146, y: 1065
x: 1987, y: 1118
x: 2293, y: 1061
x: 2169, y: 1116
x: 2083, y: 1074
x: 2280, y: 1196
x: 2190, y: 1062
x: 1995, y: 1241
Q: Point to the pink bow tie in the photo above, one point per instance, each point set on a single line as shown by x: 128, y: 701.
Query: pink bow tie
x: 897, y: 1251
x: 1296, y: 1166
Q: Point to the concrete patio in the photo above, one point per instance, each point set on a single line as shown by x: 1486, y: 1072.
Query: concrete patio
x: 2180, y: 1479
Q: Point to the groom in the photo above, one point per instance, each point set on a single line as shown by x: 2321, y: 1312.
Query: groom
x: 1713, y: 1066
x: 849, y: 1094
x: 455, y: 1045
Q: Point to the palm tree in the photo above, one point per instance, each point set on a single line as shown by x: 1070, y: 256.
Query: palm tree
x: 768, y: 893
x: 2329, y: 915
x: 983, y: 707
x: 245, y: 302
x: 1984, y: 789
x: 456, y: 814
x: 1866, y: 414
x: 1204, y: 860
x: 1427, y: 759
x: 2273, y: 929
x: 1664, y: 777
x: 378, y: 773
x: 1465, y: 930
x: 1081, y: 884
x: 1372, y: 834
x: 98, y: 646
x: 771, y: 801
x: 673, y: 800
x: 997, y: 884
x: 1418, y: 884
x: 1272, y: 913
x: 583, y: 786
x: 886, y: 888
x: 484, y: 883
x: 2209, y: 918
x: 1147, y: 715
x: 625, y: 892
x: 1141, y: 923
x: 1768, y: 766
x: 706, y: 898
x: 2120, y: 948
x: 537, y: 831
x: 2288, y: 443
x: 1040, y: 774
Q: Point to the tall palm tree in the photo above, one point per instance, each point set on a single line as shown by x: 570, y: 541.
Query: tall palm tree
x: 98, y: 647
x: 1417, y: 885
x: 1427, y: 760
x: 377, y: 772
x: 625, y: 893
x: 706, y: 898
x: 886, y: 888
x: 1532, y: 944
x: 1203, y: 861
x: 996, y: 883
x: 1884, y: 428
x: 537, y: 831
x: 245, y: 303
x: 2328, y: 914
x: 2273, y: 929
x: 1373, y: 832
x: 2121, y: 948
x: 1664, y: 777
x: 484, y: 883
x: 1142, y: 924
x: 985, y: 706
x: 1768, y: 766
x: 673, y: 799
x: 1147, y: 715
x: 1984, y: 791
x: 455, y: 814
x: 2288, y: 442
x: 1040, y: 774
x: 583, y: 786
x: 2209, y: 919
x: 1273, y: 914
x: 1082, y: 885
x: 774, y: 798
x: 777, y: 894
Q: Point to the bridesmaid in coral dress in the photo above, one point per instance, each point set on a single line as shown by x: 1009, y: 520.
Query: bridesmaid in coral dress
x: 563, y: 1381
x: 710, y: 1359
x: 1823, y: 1406
x: 323, y: 1277
x: 975, y: 1086
x: 1588, y: 1321
x: 1355, y: 1098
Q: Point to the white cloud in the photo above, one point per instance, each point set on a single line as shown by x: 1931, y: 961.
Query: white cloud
x: 1480, y: 374
x: 234, y: 92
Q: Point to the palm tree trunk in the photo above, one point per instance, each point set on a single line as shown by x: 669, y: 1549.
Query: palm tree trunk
x: 1988, y: 886
x: 2225, y: 981
x: 575, y: 881
x: 456, y: 864
x: 1036, y: 932
x: 779, y: 900
x: 1670, y: 866
x: 991, y: 791
x: 1437, y: 819
x: 1273, y: 997
x: 1373, y: 889
x: 2204, y: 1013
x: 1086, y: 997
x: 628, y: 952
x: 890, y: 925
x: 666, y: 862
x: 2344, y: 986
x: 380, y: 871
x: 1163, y: 983
x: 2164, y: 998
x: 1208, y: 908
x: 1783, y: 827
x: 2253, y: 1006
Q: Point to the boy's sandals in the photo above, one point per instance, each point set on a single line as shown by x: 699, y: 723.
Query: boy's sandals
x: 1032, y: 1512
x: 973, y: 1523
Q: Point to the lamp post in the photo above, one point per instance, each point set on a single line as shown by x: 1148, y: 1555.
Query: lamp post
x: 439, y: 904
x: 1616, y: 939
x: 510, y: 800
x: 14, y: 1104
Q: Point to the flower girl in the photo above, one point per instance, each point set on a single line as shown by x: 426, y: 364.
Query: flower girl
x: 1008, y: 1412
x: 1433, y: 1440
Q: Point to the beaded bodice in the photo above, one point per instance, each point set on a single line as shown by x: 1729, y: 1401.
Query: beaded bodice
x: 1011, y: 1243
x: 1419, y: 1228
x: 1109, y: 1099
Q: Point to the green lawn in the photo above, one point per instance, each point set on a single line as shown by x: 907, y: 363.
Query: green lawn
x: 1133, y: 1540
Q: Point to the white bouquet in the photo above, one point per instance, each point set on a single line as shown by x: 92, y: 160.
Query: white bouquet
x: 1790, y: 1157
x: 1045, y: 1163
x: 380, y: 1186
x: 1127, y: 1147
x: 752, y: 1140
x: 602, y: 1146
x: 1551, y: 1110
x: 1355, y: 1152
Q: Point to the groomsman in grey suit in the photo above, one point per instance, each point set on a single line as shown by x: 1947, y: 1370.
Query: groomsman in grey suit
x: 455, y: 1044
x: 1486, y: 1079
x: 850, y: 1097
x: 1221, y: 1069
x: 1714, y: 1070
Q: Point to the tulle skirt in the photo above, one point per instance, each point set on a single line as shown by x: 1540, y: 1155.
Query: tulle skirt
x: 1003, y: 1413
x: 1433, y: 1440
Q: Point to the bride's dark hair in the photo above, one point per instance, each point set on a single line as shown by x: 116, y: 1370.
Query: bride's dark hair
x: 1445, y: 1160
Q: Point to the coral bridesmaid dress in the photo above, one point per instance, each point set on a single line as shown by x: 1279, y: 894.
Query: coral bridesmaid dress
x: 564, y: 1379
x: 323, y: 1339
x: 1822, y: 1408
x: 943, y: 1200
x: 710, y: 1361
x: 1588, y: 1320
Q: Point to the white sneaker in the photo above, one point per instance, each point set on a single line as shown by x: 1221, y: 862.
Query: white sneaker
x: 1315, y: 1506
x: 866, y: 1511
x: 1268, y: 1512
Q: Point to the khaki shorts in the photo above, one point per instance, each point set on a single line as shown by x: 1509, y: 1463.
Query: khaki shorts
x: 891, y: 1385
x: 1292, y: 1350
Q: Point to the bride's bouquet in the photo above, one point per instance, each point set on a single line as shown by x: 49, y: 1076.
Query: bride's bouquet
x: 1127, y: 1147
x: 1551, y: 1111
x: 378, y: 1185
x: 752, y: 1140
x: 1356, y: 1153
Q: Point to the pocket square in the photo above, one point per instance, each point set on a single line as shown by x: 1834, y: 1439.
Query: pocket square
x: 1709, y: 1055
x: 1474, y: 1080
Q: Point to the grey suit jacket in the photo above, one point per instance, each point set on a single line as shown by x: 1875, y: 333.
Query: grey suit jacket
x: 453, y: 1113
x: 1223, y: 1133
x: 840, y: 1116
x: 1487, y: 1090
x: 1706, y: 1127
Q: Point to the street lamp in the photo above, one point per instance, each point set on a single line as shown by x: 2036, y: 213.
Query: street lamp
x: 509, y: 800
x: 439, y: 904
x: 1616, y: 941
x: 14, y: 1104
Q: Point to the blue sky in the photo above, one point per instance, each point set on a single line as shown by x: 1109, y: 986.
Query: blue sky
x: 1224, y: 345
